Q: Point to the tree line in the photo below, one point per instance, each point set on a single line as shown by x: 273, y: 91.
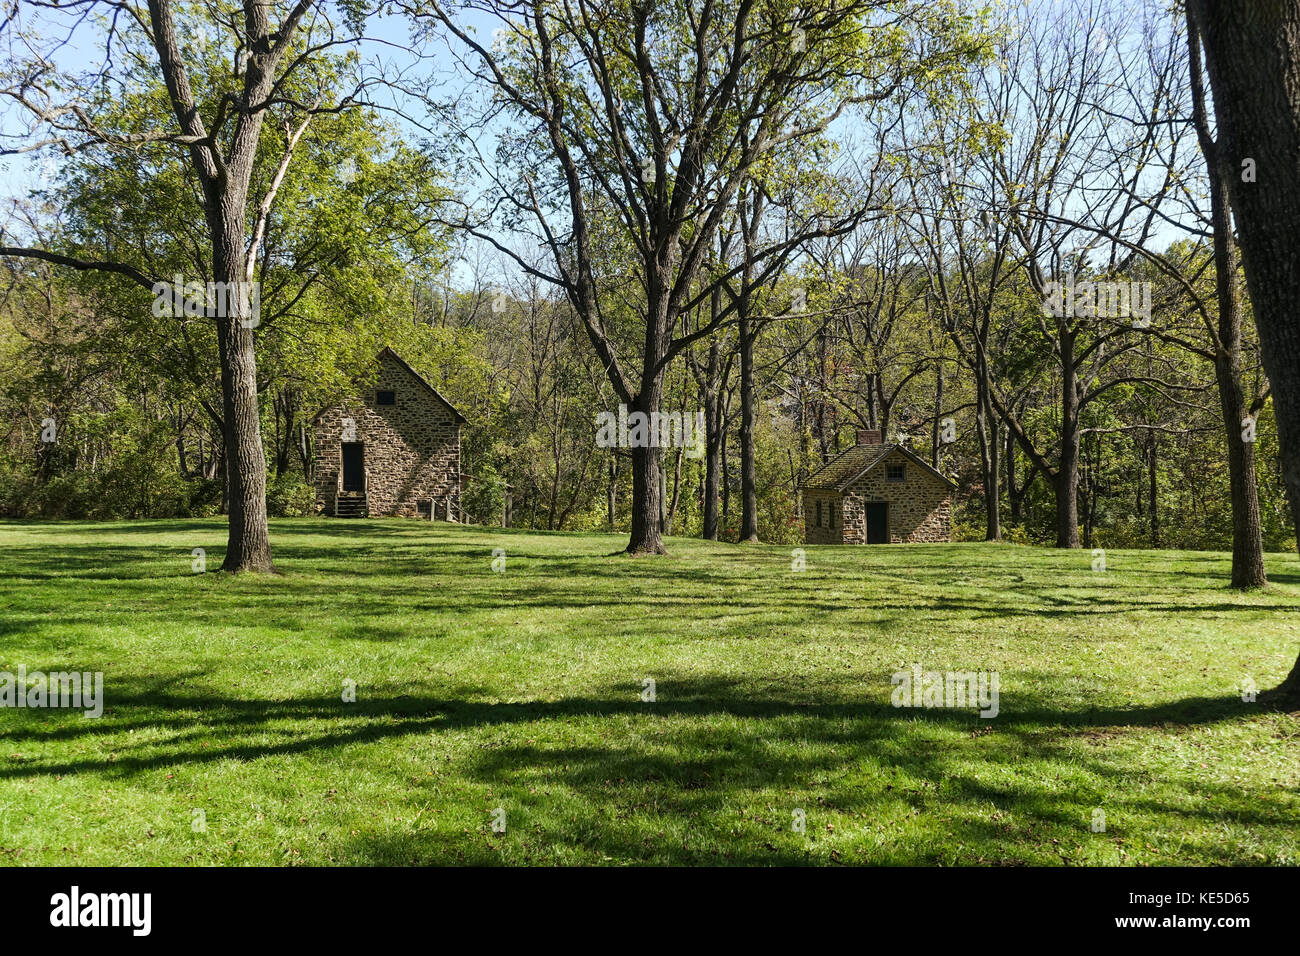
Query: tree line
x: 1045, y: 246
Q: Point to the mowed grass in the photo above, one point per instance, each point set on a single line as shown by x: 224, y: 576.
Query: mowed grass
x: 225, y: 738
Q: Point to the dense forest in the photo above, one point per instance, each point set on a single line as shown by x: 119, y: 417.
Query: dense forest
x: 998, y: 234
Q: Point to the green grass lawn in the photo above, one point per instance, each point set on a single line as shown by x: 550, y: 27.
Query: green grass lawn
x: 523, y: 691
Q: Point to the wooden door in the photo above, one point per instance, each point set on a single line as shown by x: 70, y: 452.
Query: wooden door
x: 877, y: 515
x: 354, y: 466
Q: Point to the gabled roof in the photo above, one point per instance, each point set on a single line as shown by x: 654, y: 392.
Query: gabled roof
x: 387, y: 352
x: 848, y: 466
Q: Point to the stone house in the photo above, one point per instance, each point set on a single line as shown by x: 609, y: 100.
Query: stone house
x: 876, y: 493
x: 391, y: 449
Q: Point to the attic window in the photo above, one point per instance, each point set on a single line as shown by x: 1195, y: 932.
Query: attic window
x: 385, y: 398
x: 895, y: 472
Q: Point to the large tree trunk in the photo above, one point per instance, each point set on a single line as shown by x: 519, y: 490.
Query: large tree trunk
x: 1247, y: 538
x: 249, y: 542
x: 647, y: 534
x: 647, y: 483
x: 1252, y: 54
x: 1067, y: 494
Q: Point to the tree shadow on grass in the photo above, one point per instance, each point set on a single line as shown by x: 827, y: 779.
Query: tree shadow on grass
x: 606, y: 775
x: 373, y: 719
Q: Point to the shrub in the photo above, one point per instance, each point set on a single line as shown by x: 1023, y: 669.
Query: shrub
x: 288, y: 496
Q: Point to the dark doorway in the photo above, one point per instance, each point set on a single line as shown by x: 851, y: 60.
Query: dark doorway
x: 877, y: 522
x: 354, y: 466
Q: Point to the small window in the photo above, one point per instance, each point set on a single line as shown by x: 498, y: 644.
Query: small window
x: 819, y: 514
x: 423, y: 507
x: 385, y: 398
x: 830, y: 516
x: 895, y: 472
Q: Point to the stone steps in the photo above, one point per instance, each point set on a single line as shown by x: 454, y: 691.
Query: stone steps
x: 352, y: 506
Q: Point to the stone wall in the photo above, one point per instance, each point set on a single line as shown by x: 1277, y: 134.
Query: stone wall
x: 920, y: 506
x: 830, y: 502
x: 412, y: 448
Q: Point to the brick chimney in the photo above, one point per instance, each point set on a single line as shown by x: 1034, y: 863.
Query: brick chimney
x: 868, y: 436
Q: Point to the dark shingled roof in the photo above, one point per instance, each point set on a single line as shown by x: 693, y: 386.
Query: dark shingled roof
x: 848, y: 466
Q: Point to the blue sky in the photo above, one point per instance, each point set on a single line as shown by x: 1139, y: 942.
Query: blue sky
x: 83, y: 52
x: 385, y: 39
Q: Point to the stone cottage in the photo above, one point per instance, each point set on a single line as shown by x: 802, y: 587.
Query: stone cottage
x: 392, y: 449
x: 876, y: 493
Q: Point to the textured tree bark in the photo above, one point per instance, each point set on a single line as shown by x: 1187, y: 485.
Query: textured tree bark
x: 249, y: 543
x: 647, y: 537
x: 1247, y: 537
x: 1067, y: 494
x: 1252, y: 55
x: 647, y: 484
